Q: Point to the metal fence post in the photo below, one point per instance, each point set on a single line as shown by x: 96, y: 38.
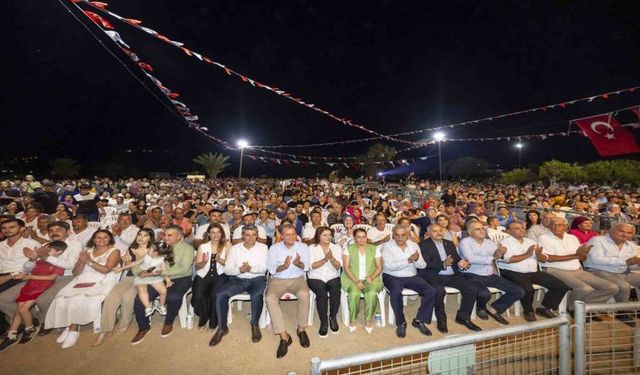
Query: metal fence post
x: 565, y: 346
x: 579, y: 362
x: 315, y: 366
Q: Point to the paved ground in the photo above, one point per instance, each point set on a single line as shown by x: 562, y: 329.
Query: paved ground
x: 187, y: 351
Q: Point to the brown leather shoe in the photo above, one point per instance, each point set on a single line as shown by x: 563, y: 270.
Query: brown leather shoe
x: 256, y: 335
x: 167, y: 329
x: 137, y: 339
x: 217, y: 337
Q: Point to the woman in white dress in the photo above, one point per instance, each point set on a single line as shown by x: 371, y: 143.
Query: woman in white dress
x: 80, y: 302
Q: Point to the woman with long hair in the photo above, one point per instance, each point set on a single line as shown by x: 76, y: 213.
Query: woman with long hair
x: 209, y: 275
x: 123, y: 295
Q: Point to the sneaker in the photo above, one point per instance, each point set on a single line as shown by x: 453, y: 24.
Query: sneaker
x: 71, y: 340
x: 137, y: 339
x: 148, y: 311
x: 63, y: 336
x: 162, y: 310
x: 7, y: 343
x: 29, y: 334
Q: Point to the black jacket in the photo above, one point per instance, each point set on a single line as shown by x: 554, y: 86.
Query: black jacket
x: 432, y: 257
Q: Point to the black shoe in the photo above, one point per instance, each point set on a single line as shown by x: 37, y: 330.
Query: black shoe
x: 422, y: 327
x: 401, y: 330
x: 283, y: 347
x: 29, y: 335
x: 256, y: 335
x: 545, y: 313
x: 467, y: 323
x: 217, y: 337
x: 442, y: 326
x: 482, y: 314
x: 7, y: 343
x: 44, y: 332
x: 333, y: 325
x: 498, y: 317
x: 530, y: 316
x: 304, y: 339
x: 322, y: 332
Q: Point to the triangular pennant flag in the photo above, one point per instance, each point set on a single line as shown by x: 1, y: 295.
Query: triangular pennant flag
x: 116, y: 37
x: 98, y: 20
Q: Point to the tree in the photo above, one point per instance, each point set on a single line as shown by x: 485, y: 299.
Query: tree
x: 556, y: 170
x: 65, y: 167
x: 213, y: 164
x: 376, y: 156
x: 467, y: 167
x: 613, y: 171
x: 519, y: 176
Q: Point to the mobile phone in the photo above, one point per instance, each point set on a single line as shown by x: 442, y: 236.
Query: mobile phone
x: 150, y: 269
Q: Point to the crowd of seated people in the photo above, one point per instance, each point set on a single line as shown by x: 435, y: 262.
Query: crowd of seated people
x: 106, y: 252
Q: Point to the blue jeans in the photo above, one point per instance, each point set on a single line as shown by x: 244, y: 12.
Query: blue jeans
x: 235, y: 285
x: 418, y: 285
x: 175, y: 293
x: 512, y: 291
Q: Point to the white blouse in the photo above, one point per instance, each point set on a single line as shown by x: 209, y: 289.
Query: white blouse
x: 206, y: 248
x: 327, y: 271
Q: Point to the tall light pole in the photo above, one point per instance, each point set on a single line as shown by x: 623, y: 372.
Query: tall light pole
x: 519, y: 147
x: 242, y: 144
x: 439, y: 137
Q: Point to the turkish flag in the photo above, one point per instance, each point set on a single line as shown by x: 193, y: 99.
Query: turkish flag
x: 608, y: 136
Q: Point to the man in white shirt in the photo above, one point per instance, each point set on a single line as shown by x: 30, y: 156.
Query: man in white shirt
x: 380, y: 233
x: 246, y: 266
x: 12, y: 257
x: 215, y: 216
x: 520, y: 265
x: 124, y: 232
x: 287, y: 263
x: 538, y: 230
x: 401, y: 260
x: 564, y: 253
x: 81, y: 232
x: 58, y: 231
x: 481, y: 253
x: 612, y: 256
x: 309, y: 229
x: 248, y: 219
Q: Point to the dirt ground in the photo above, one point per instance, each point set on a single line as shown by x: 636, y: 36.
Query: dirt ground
x: 188, y: 352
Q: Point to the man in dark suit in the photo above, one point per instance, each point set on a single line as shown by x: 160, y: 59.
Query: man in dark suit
x: 443, y: 269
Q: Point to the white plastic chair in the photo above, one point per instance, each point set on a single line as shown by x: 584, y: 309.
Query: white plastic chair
x: 185, y: 309
x: 94, y: 225
x: 406, y: 293
x: 292, y: 297
x: 239, y: 298
x: 344, y: 306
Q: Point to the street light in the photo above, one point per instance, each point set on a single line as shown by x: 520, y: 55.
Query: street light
x: 439, y: 137
x: 519, y: 147
x: 242, y: 144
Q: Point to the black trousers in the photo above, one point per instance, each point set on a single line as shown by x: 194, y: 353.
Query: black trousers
x: 468, y: 290
x: 556, y: 289
x: 327, y: 305
x: 203, y: 297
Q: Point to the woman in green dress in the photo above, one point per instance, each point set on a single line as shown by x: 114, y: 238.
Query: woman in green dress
x: 362, y: 265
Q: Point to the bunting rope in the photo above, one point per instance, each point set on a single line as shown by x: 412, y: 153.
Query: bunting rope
x: 100, y: 6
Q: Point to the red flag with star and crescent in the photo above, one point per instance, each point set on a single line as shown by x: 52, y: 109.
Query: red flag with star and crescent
x: 608, y: 136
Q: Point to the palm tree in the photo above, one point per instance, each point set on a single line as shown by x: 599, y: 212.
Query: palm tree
x: 376, y: 156
x: 65, y: 167
x: 213, y: 164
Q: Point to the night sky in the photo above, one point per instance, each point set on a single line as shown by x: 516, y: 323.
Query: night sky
x: 390, y: 65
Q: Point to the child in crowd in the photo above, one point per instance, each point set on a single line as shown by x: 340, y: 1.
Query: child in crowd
x: 43, y: 275
x: 157, y: 259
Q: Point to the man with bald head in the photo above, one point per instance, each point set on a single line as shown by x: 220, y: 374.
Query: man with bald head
x: 520, y: 265
x: 562, y: 254
x: 612, y: 256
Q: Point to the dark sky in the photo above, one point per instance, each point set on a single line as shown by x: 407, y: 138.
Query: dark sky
x: 389, y: 65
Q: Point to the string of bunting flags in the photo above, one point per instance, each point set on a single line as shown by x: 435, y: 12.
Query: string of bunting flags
x: 181, y: 108
x: 354, y: 165
x: 613, y: 141
x: 101, y: 6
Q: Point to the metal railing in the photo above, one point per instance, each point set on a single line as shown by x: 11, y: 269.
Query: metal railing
x: 607, y: 344
x: 541, y: 347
